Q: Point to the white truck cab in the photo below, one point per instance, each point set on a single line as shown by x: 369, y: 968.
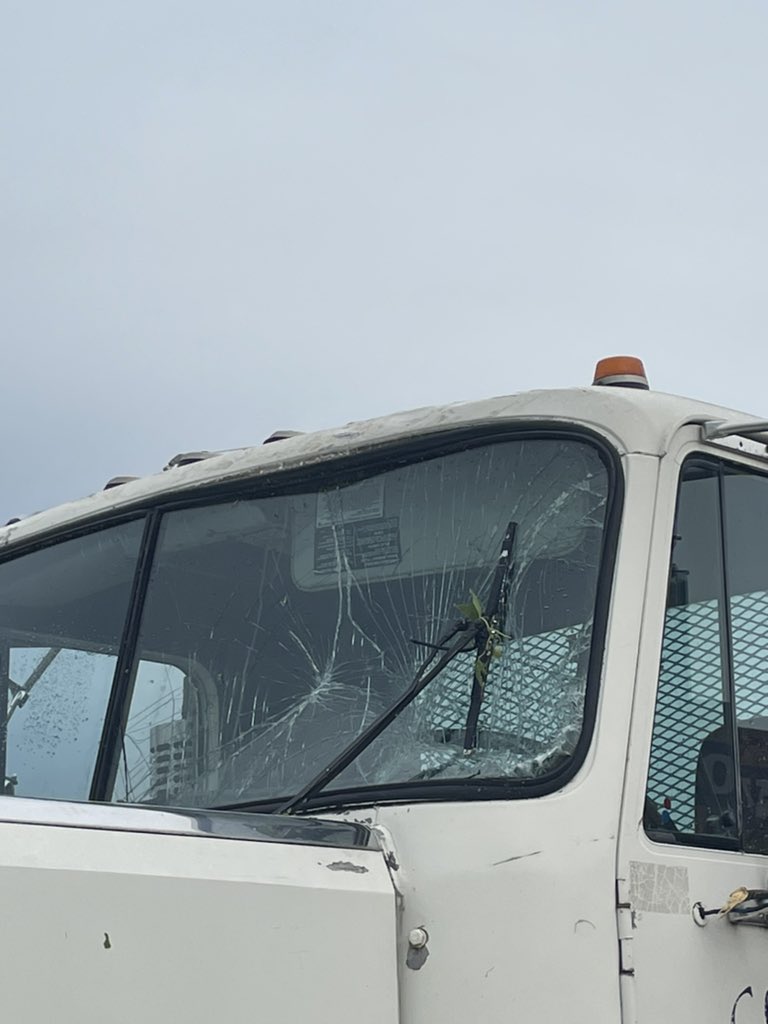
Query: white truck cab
x: 456, y: 714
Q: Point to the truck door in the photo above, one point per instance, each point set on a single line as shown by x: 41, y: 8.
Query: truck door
x: 695, y: 815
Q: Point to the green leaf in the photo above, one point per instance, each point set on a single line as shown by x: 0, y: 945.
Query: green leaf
x: 473, y: 610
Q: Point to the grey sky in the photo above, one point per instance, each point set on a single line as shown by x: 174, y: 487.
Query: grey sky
x: 221, y: 218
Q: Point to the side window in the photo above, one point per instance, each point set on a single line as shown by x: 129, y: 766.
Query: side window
x: 62, y: 613
x: 708, y: 776
x: 56, y: 707
x: 745, y: 519
x: 691, y: 790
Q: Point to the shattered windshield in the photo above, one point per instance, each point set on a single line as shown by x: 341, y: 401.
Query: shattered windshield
x: 288, y: 624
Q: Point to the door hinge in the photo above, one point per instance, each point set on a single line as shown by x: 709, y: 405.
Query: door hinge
x: 625, y: 917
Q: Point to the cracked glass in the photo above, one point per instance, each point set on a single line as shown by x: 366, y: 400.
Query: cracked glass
x: 288, y: 624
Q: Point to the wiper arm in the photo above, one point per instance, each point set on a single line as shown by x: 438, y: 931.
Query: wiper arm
x: 423, y: 677
x: 20, y: 691
x: 489, y: 634
x: 480, y: 633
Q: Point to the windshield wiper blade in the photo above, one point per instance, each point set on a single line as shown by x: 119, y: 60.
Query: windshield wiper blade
x: 476, y: 633
x: 423, y: 677
x: 489, y: 634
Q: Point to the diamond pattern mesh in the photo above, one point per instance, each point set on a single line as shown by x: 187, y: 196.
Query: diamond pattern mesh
x: 689, y: 705
x: 532, y: 706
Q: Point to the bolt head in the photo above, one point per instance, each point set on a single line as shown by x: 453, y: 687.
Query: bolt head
x: 418, y: 938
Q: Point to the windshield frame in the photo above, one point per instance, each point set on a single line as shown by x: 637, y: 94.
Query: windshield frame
x: 361, y: 464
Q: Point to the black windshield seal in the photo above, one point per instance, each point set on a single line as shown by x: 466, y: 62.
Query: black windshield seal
x: 361, y: 465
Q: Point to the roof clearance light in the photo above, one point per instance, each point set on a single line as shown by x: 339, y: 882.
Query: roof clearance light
x: 621, y: 372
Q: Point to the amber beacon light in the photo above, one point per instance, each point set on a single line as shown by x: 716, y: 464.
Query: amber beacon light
x: 621, y: 372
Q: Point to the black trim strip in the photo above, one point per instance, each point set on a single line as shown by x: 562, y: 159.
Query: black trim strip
x: 696, y: 840
x: 726, y: 640
x: 116, y: 715
x: 434, y: 791
x: 5, y: 672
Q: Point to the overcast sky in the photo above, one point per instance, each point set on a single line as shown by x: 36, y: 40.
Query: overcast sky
x: 221, y: 218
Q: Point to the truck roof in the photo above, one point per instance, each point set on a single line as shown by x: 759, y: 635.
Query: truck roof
x: 632, y: 420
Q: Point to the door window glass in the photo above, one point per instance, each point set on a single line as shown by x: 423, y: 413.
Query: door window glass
x: 57, y: 701
x: 745, y: 518
x: 62, y: 613
x: 691, y: 787
x: 708, y: 777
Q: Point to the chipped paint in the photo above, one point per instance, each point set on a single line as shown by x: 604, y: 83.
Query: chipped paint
x: 347, y: 865
x: 416, y: 958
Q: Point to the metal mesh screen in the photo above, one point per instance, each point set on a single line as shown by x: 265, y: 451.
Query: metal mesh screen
x: 532, y: 707
x: 689, y: 705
